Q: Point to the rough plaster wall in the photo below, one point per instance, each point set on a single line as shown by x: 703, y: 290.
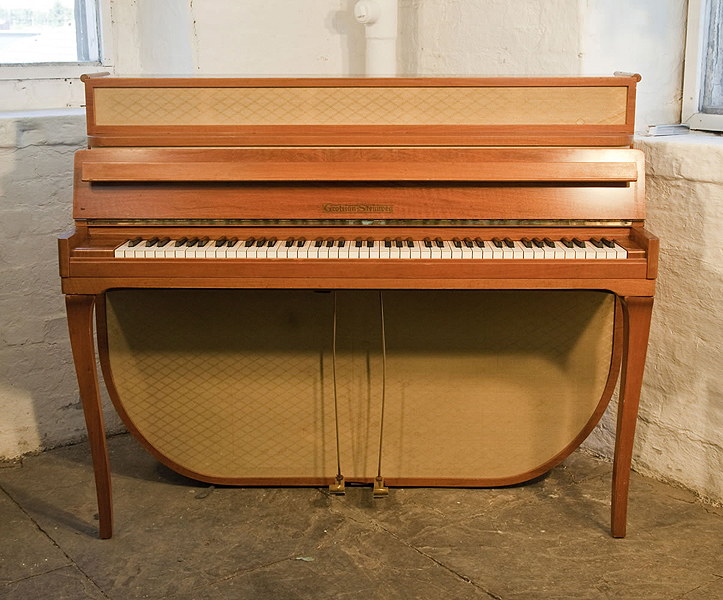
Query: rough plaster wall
x: 489, y: 37
x: 639, y: 36
x: 680, y: 430
x: 39, y: 402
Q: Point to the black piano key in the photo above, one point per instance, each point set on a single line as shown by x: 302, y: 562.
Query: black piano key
x: 180, y: 241
x: 341, y: 243
x: 509, y: 243
x: 497, y: 242
x: 410, y: 243
x: 468, y: 242
x: 609, y: 243
x: 566, y: 242
x: 272, y: 242
x: 578, y: 242
x: 152, y: 242
x: 387, y: 242
x: 370, y: 242
x: 289, y: 242
x: 479, y: 242
x: 250, y: 242
x: 548, y: 242
x: 398, y: 242
x: 202, y: 242
x: 260, y: 242
x: 526, y: 242
x: 318, y: 242
x: 596, y: 242
x: 300, y: 242
x: 220, y: 241
x: 329, y: 242
x: 438, y: 242
x: 456, y: 242
x: 192, y: 242
x: 358, y: 242
x: 538, y: 242
x: 232, y: 242
x: 427, y: 242
x: 135, y: 241
x: 163, y: 241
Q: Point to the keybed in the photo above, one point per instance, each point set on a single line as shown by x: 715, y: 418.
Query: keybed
x: 372, y: 248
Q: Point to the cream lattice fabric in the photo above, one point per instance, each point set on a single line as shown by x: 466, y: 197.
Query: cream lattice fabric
x: 237, y: 384
x: 154, y: 106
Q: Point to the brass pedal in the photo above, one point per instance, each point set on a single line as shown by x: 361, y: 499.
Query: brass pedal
x: 380, y: 490
x: 337, y: 487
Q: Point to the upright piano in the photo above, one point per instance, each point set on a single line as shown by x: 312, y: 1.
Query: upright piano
x: 397, y: 282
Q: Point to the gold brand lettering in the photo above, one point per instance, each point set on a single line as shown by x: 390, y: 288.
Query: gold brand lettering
x: 358, y: 208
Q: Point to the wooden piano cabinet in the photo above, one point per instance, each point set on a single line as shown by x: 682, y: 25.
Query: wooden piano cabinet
x: 176, y: 157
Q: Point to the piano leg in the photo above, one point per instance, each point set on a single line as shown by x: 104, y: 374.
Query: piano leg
x: 636, y: 326
x: 80, y: 325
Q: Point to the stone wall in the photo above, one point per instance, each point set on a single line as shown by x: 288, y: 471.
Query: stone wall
x: 39, y: 400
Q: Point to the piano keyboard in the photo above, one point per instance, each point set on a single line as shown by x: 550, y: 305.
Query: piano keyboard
x: 370, y: 248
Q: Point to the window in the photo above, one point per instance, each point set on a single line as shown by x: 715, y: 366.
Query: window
x: 48, y: 31
x: 45, y: 45
x: 703, y: 74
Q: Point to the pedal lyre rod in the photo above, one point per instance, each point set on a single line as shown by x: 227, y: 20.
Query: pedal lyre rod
x: 338, y: 486
x: 380, y: 489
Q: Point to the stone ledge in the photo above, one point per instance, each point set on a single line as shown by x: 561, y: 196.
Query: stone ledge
x: 693, y: 156
x: 20, y: 129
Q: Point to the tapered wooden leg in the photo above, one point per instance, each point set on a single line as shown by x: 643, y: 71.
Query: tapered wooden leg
x: 80, y: 325
x: 636, y: 326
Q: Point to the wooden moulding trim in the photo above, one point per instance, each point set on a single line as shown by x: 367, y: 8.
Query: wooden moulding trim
x: 609, y: 388
x: 358, y: 171
x: 98, y: 285
x: 267, y: 82
x: 591, y: 139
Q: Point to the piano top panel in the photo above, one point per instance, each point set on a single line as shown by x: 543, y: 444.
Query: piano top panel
x: 549, y: 111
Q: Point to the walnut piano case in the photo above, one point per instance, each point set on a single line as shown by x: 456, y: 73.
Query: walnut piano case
x: 228, y: 365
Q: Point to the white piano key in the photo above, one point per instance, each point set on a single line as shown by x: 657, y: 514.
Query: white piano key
x: 497, y: 253
x: 375, y: 251
x: 354, y: 251
x: 527, y: 253
x: 548, y: 252
x: 333, y: 252
x: 559, y: 252
x: 488, y: 251
x: 303, y: 251
x: 477, y: 252
x: 590, y: 251
x: 518, y: 252
x: 456, y: 252
x: 384, y: 250
x: 120, y: 251
x: 273, y: 251
x: 620, y: 251
x: 405, y: 251
x: 426, y: 252
x: 232, y: 251
x: 415, y: 250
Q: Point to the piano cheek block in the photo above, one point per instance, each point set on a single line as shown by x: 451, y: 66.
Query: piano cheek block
x: 511, y: 263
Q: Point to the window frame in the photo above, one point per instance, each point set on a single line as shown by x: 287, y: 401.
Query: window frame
x: 693, y: 70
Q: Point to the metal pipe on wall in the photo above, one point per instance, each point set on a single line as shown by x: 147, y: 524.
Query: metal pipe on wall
x: 379, y: 18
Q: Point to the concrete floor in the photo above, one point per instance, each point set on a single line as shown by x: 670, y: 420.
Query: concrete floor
x: 179, y: 539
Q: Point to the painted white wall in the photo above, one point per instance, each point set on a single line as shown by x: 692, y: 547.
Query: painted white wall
x: 679, y: 432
